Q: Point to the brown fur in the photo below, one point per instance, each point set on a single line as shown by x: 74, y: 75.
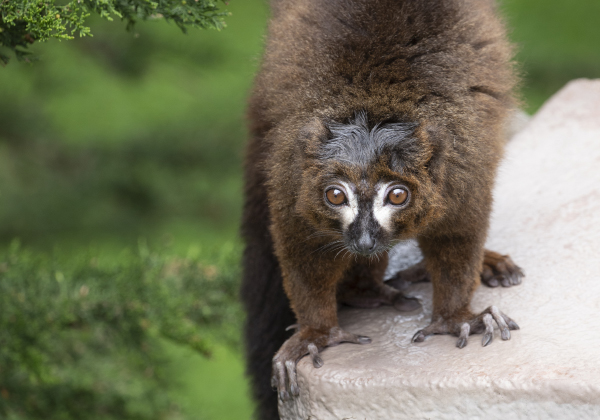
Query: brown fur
x: 442, y: 64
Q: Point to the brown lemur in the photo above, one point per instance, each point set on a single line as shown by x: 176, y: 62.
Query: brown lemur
x: 372, y: 121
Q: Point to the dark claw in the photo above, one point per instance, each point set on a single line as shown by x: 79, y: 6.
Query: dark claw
x: 294, y: 390
x: 487, y: 339
x: 317, y: 361
x: 505, y: 282
x: 465, y: 329
x: 418, y: 337
x: 314, y: 354
x: 512, y: 325
x: 505, y: 334
x: 363, y: 339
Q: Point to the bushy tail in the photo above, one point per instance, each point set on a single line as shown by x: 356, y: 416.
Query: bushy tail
x: 268, y: 310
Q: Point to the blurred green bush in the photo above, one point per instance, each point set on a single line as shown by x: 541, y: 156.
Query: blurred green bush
x: 104, y: 140
x: 81, y: 338
x: 557, y: 41
x: 127, y: 131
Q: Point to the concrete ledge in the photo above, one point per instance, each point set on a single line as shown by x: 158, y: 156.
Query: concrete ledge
x: 547, y: 217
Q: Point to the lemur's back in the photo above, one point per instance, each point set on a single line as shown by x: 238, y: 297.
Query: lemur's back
x: 389, y: 55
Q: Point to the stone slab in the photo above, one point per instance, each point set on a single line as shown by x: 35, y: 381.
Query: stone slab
x: 547, y: 217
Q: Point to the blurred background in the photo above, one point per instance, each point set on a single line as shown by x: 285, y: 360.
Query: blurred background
x: 120, y: 199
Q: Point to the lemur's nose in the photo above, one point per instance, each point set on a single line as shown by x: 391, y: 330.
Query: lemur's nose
x: 366, y: 244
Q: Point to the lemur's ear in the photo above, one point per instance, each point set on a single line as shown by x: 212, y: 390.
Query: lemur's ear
x: 437, y: 139
x: 311, y: 136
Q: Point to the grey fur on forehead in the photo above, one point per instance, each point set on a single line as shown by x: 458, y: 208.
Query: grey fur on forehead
x: 354, y: 143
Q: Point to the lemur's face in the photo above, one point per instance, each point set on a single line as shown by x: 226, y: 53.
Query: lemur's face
x: 369, y: 185
x: 366, y: 212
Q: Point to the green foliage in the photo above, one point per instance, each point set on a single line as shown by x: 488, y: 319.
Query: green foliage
x: 113, y: 137
x: 81, y: 337
x: 129, y: 134
x: 23, y: 22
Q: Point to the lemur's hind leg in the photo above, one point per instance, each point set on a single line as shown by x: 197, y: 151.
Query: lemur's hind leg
x: 496, y: 270
x: 363, y: 287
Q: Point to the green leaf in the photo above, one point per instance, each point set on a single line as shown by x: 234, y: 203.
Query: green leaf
x: 23, y: 22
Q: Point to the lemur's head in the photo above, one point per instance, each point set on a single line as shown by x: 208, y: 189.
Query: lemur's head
x: 366, y: 184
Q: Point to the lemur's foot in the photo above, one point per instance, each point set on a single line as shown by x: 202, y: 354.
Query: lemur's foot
x: 496, y: 270
x: 372, y: 295
x: 473, y: 324
x: 305, y: 341
x: 413, y: 274
x: 500, y: 270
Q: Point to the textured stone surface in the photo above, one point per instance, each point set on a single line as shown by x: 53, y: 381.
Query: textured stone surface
x: 547, y: 216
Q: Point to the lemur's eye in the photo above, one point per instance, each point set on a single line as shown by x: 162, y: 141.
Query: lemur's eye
x: 335, y: 196
x: 397, y: 196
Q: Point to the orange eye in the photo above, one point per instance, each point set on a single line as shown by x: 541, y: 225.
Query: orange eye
x: 335, y: 196
x: 398, y: 196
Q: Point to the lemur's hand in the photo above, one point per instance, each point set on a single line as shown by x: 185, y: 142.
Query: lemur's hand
x: 305, y: 341
x: 472, y: 324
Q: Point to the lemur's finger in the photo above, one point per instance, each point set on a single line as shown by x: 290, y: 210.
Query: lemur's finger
x: 487, y: 276
x: 504, y: 331
x: 488, y: 336
x: 511, y: 324
x: 290, y: 366
x: 465, y: 329
x: 280, y: 372
x: 314, y: 355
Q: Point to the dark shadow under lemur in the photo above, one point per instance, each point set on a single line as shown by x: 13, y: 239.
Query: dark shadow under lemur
x: 371, y: 122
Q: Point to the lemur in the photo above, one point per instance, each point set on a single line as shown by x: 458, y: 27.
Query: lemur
x: 371, y: 122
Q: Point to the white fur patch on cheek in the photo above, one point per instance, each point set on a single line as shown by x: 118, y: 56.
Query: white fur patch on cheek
x: 349, y: 211
x: 382, y: 213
